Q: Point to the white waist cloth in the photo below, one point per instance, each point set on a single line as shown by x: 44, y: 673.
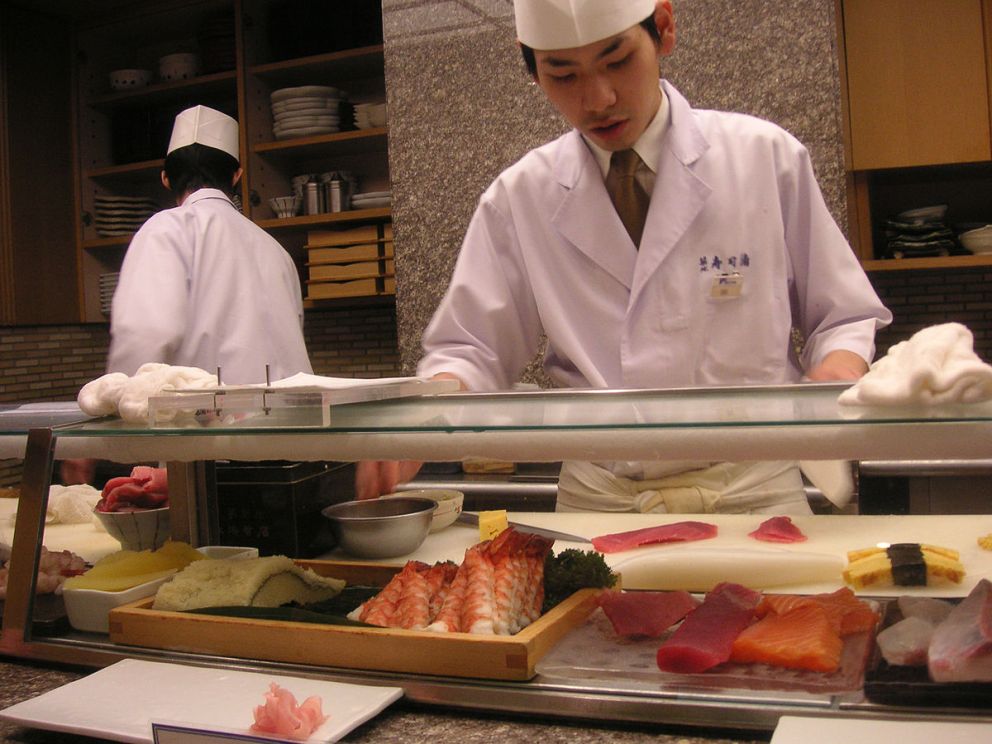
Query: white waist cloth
x: 726, y: 487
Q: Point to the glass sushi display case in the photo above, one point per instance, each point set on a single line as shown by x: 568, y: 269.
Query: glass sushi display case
x: 566, y: 664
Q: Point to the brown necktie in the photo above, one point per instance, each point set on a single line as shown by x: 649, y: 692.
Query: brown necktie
x: 627, y: 194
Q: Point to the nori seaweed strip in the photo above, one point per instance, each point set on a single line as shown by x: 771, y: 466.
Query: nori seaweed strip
x: 909, y: 567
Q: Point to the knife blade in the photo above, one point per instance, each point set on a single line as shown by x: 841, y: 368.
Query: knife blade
x: 473, y: 518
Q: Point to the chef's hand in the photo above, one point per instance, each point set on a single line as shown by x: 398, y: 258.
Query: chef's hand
x: 75, y: 472
x: 838, y: 365
x: 373, y: 478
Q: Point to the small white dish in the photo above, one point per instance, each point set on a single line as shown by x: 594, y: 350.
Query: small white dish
x: 449, y: 504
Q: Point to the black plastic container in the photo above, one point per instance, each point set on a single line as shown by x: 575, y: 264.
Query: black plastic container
x: 275, y: 506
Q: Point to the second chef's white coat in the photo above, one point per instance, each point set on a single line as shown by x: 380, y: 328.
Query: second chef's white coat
x: 203, y: 286
x: 546, y: 253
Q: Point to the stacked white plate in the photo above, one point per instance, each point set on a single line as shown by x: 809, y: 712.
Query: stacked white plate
x: 305, y: 111
x: 108, y: 285
x: 117, y: 216
x: 372, y: 199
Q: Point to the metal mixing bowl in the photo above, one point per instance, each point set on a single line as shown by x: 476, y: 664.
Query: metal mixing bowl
x: 381, y: 528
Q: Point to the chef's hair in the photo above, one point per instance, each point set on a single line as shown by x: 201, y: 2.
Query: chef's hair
x: 648, y: 24
x: 197, y: 166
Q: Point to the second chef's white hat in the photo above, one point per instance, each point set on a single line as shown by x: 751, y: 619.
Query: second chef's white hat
x: 563, y: 24
x: 204, y: 125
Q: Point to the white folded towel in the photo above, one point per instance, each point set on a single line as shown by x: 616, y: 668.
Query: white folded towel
x: 936, y: 365
x: 116, y: 393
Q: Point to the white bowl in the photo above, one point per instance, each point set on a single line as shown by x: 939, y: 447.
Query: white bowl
x: 978, y: 240
x: 131, y: 79
x: 147, y: 529
x: 285, y: 206
x: 89, y: 609
x: 933, y: 213
x: 179, y: 66
x: 449, y: 504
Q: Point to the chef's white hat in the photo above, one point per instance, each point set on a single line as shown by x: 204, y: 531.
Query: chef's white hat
x: 563, y: 24
x: 207, y: 127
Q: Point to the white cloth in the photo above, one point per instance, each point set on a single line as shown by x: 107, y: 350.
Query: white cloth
x: 69, y: 504
x: 203, y: 286
x: 546, y: 253
x: 109, y: 395
x: 935, y: 365
x: 727, y: 488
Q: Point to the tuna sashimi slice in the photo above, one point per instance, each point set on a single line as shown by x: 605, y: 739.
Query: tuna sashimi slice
x: 802, y: 638
x: 645, y: 614
x: 961, y: 647
x: 779, y: 530
x: 705, y: 638
x: 676, y: 532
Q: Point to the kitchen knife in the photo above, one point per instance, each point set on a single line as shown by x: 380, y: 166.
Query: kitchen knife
x: 473, y: 518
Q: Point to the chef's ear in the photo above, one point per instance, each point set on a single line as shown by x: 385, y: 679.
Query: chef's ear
x: 237, y: 176
x: 664, y: 19
x: 165, y: 181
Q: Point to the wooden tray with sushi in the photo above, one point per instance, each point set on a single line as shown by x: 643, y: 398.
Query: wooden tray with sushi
x: 501, y: 657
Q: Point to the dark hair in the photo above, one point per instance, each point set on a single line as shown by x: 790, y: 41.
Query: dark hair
x: 197, y: 166
x: 647, y: 24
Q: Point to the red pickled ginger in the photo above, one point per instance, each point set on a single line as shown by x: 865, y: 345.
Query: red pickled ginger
x: 280, y: 715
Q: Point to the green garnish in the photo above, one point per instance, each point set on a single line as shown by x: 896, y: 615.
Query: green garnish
x: 571, y: 570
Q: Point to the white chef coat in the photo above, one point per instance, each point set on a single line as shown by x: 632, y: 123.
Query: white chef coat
x: 735, y: 198
x: 203, y: 286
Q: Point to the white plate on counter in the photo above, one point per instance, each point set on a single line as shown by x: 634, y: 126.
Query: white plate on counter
x: 121, y: 701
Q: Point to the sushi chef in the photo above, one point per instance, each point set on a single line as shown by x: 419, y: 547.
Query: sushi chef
x: 656, y: 246
x: 202, y: 285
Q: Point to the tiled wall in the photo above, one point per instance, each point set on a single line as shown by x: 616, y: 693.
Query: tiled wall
x: 53, y: 362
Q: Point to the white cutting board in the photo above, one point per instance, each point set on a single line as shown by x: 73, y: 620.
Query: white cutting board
x: 122, y: 701
x: 827, y: 534
x: 809, y: 730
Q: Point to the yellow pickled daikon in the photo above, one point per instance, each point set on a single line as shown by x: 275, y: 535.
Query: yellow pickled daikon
x: 127, y: 568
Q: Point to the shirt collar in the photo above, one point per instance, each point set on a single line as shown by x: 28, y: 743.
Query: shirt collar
x: 648, y: 146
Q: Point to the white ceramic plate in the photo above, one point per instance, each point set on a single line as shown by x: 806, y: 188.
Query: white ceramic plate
x: 295, y: 122
x: 303, y: 132
x: 303, y: 102
x: 200, y: 697
x: 303, y: 90
x: 372, y: 195
x: 384, y: 201
x: 328, y: 113
x: 111, y: 199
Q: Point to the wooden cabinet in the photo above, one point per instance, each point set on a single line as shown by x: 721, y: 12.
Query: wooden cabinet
x: 37, y: 250
x: 917, y: 82
x: 254, y: 47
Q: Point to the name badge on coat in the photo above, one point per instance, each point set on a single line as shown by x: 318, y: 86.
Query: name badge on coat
x: 726, y: 286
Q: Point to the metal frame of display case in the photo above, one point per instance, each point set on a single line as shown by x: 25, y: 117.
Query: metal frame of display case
x: 747, y: 423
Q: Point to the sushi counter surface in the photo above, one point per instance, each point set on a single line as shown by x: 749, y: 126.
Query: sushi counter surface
x: 400, y: 723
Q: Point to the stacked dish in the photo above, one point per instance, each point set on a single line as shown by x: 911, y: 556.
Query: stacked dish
x: 372, y: 199
x: 305, y: 111
x: 369, y: 115
x: 118, y: 216
x: 108, y: 285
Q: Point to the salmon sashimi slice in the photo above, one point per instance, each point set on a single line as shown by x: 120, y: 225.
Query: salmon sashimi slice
x: 802, y: 638
x: 706, y: 636
x: 847, y: 614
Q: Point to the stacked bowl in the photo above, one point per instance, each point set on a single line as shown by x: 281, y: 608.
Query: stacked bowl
x: 108, y: 285
x: 370, y: 115
x: 305, y: 111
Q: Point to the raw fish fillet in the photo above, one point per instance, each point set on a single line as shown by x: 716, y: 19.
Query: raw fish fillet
x: 847, y: 614
x: 933, y: 610
x: 905, y: 643
x: 705, y: 638
x: 802, y: 638
x: 779, y: 530
x: 645, y: 614
x: 676, y: 532
x: 961, y: 647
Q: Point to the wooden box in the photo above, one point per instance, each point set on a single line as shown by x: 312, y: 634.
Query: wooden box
x: 381, y: 649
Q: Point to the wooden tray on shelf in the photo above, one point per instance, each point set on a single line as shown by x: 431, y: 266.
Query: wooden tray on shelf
x: 383, y: 649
